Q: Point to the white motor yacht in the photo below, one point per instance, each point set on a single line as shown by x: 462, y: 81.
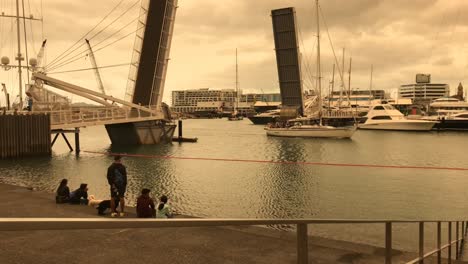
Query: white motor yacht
x: 312, y: 131
x: 387, y: 117
x: 446, y: 106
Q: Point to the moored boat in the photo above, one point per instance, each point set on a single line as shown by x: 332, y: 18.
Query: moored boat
x: 265, y: 118
x: 387, y: 117
x: 313, y: 131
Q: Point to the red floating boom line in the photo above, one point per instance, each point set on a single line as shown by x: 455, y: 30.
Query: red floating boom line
x: 282, y: 162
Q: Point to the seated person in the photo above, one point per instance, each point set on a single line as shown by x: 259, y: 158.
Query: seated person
x: 163, y: 210
x: 145, y: 205
x: 62, y: 195
x: 80, y: 195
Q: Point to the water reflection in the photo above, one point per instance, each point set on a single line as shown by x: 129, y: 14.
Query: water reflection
x: 286, y: 188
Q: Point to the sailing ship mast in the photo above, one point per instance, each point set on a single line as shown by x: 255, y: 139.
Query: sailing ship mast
x: 319, y: 79
x: 19, y: 56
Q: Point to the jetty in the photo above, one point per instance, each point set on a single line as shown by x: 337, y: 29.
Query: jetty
x: 54, y: 235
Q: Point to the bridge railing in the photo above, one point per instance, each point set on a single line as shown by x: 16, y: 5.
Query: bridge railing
x: 27, y: 224
x: 95, y: 114
x: 83, y: 115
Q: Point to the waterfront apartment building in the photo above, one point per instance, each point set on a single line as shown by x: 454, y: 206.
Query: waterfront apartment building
x: 207, y: 101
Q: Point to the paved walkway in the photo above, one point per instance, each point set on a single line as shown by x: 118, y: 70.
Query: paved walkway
x: 165, y: 245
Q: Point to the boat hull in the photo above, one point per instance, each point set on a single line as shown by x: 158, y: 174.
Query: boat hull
x: 415, y: 125
x: 312, y: 132
x: 262, y: 120
x: 452, y: 125
x: 449, y: 123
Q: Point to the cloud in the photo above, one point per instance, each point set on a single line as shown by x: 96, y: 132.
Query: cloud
x: 399, y: 37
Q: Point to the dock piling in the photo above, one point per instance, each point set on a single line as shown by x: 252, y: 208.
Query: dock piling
x: 180, y: 130
x: 77, y: 141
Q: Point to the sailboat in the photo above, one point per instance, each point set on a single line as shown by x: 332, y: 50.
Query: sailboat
x: 297, y: 128
x: 235, y: 116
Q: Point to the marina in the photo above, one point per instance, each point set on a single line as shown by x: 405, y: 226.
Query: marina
x: 370, y: 169
x: 214, y: 188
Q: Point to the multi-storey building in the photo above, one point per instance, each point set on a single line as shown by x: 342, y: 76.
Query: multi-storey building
x: 423, y: 91
x: 212, y: 102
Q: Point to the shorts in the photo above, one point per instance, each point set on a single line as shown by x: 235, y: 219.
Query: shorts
x: 117, y: 191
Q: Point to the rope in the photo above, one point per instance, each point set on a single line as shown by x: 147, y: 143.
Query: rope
x: 283, y: 162
x: 333, y: 49
x: 99, y: 32
x: 86, y: 50
x: 87, y: 69
x: 129, y: 34
x: 78, y: 41
x: 308, y: 68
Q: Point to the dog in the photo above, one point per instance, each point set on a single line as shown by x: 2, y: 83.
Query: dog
x: 106, y: 204
x: 101, y: 205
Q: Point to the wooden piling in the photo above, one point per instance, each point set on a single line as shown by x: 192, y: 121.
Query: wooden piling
x: 23, y: 135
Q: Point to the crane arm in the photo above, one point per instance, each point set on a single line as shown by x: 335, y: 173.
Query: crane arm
x: 89, y: 94
x: 95, y: 67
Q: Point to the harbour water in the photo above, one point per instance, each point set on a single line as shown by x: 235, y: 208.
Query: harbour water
x: 240, y: 189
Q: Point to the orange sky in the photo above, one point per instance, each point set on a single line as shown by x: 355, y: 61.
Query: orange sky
x: 399, y: 37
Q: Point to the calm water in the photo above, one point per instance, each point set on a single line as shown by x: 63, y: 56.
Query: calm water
x: 266, y: 190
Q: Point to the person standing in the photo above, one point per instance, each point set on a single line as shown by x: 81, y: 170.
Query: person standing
x: 117, y: 179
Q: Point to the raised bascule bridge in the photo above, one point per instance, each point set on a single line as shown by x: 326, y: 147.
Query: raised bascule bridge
x: 140, y: 118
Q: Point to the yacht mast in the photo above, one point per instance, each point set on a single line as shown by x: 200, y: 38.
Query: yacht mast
x: 340, y: 100
x: 319, y: 79
x: 370, y: 85
x: 349, y: 81
x: 19, y: 56
x: 237, y: 88
x: 332, y: 87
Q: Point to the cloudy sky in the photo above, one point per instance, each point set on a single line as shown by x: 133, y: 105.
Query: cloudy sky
x: 399, y: 37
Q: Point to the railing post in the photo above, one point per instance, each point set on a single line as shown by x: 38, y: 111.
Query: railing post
x: 462, y: 238
x: 457, y: 228
x: 388, y: 243
x: 439, y: 242
x: 421, y: 242
x: 449, y: 258
x: 302, y: 244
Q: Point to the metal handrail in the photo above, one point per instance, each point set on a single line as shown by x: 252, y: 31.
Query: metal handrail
x: 22, y: 224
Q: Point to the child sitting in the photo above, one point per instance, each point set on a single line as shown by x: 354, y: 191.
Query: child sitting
x: 145, y: 205
x: 164, y: 210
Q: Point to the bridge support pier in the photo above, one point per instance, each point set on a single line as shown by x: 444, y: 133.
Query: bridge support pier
x: 140, y: 133
x: 62, y: 132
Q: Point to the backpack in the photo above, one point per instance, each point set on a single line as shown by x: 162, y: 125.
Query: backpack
x: 118, y: 178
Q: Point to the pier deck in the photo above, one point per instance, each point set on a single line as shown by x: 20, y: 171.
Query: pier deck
x: 165, y: 245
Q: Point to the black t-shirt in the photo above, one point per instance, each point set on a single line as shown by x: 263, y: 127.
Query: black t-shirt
x: 111, y: 173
